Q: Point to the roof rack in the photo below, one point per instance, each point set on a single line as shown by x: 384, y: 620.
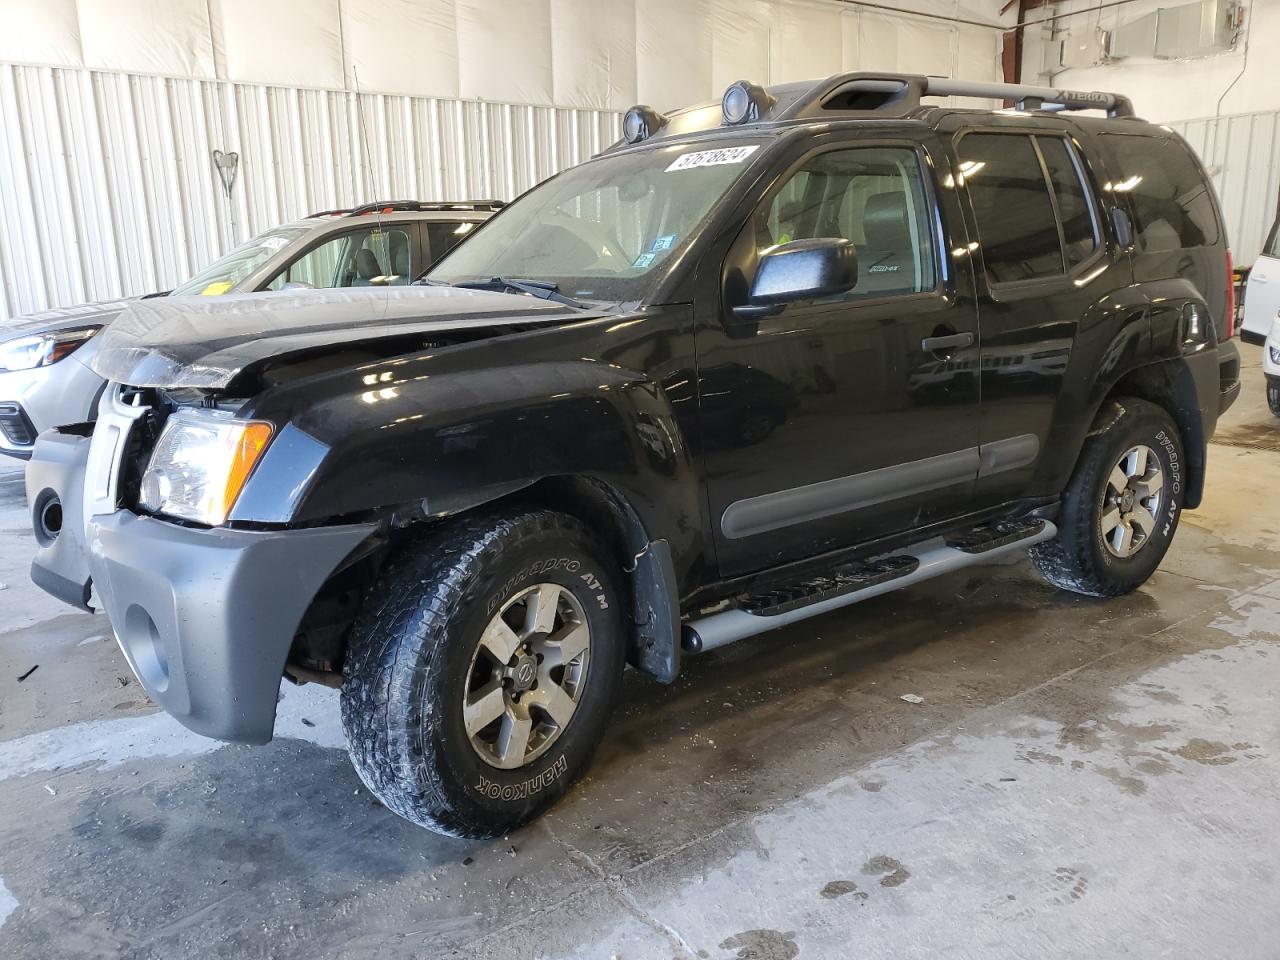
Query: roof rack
x: 413, y: 206
x: 863, y: 95
x: 898, y: 93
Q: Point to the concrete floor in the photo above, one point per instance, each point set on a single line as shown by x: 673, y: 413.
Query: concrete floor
x: 1082, y: 779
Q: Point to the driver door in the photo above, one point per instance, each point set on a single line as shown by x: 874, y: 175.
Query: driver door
x: 833, y: 422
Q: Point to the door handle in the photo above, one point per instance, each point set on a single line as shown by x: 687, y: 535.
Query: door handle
x: 952, y: 341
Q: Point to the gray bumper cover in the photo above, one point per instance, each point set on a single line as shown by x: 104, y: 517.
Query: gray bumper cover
x: 55, y: 474
x: 206, y: 617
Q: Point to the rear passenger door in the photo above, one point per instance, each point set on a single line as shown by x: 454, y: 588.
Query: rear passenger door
x: 1045, y: 271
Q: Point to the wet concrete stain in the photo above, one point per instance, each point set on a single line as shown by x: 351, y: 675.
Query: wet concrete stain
x: 842, y: 888
x: 891, y: 872
x: 1134, y: 786
x: 1071, y: 885
x: 1041, y: 756
x: 762, y: 945
x: 1207, y: 752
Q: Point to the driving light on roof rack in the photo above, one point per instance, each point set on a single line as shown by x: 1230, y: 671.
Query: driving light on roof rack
x: 744, y: 102
x: 641, y: 122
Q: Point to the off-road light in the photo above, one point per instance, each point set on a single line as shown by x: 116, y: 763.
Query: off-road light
x: 641, y: 122
x: 744, y: 102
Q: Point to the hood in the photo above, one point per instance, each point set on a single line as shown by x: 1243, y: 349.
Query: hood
x: 65, y: 318
x: 208, y: 341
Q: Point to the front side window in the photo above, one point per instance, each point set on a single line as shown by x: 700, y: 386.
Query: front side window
x: 874, y: 197
x: 1172, y: 205
x: 1272, y: 248
x: 604, y: 230
x: 374, y: 256
x: 1011, y: 201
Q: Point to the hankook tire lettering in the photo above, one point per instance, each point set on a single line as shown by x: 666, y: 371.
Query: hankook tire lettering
x: 525, y: 789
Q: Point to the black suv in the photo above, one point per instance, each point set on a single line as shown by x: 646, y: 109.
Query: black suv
x: 762, y: 359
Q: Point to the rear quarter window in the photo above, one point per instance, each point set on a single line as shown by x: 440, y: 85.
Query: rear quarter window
x: 1171, y: 200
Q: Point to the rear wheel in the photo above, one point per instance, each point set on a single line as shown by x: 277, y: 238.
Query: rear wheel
x: 1121, y: 509
x: 482, y: 671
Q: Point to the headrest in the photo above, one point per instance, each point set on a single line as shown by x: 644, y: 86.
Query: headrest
x: 367, y: 264
x: 884, y: 221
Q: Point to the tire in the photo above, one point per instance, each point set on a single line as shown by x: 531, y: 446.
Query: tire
x: 1082, y: 557
x: 1273, y: 396
x: 416, y: 658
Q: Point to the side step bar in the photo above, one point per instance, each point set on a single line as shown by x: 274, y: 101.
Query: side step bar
x: 926, y: 560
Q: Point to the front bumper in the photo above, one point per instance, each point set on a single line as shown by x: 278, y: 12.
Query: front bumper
x: 206, y: 617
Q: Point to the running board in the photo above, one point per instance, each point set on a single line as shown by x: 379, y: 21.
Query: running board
x: 855, y: 582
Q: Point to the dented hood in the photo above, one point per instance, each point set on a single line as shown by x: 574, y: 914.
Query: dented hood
x: 208, y: 341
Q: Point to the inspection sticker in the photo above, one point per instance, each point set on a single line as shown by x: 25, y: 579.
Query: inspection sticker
x: 710, y: 158
x: 273, y: 243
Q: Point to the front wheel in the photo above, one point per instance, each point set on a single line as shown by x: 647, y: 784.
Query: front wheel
x: 1273, y: 396
x: 482, y: 670
x: 1121, y: 509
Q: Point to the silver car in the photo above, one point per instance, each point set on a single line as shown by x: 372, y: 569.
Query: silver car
x: 45, y: 380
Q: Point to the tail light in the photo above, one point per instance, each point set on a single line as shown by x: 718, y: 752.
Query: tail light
x: 1231, y: 298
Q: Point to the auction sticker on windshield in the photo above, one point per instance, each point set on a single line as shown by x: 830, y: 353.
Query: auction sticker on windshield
x: 710, y: 158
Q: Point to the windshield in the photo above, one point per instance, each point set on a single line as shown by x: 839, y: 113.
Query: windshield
x: 604, y: 229
x: 223, y: 274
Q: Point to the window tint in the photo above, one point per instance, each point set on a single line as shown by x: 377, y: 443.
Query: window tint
x: 1075, y: 210
x: 444, y: 235
x: 1272, y: 248
x: 361, y: 258
x: 1172, y: 206
x: 873, y: 197
x: 1011, y: 200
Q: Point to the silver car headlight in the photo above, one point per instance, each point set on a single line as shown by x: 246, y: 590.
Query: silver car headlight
x: 42, y: 349
x: 200, y: 464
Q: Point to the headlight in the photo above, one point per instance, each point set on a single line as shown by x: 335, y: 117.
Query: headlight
x: 200, y: 464
x: 1275, y: 354
x: 42, y: 349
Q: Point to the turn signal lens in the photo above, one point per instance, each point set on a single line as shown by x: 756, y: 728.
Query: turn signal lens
x: 253, y: 440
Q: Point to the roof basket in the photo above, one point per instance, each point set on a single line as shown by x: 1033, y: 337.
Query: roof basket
x: 414, y: 206
x: 899, y: 93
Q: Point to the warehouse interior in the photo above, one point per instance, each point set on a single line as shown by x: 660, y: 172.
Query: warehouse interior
x: 983, y: 764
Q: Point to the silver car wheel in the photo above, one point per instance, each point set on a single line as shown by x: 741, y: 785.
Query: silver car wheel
x: 1131, y: 501
x: 527, y: 676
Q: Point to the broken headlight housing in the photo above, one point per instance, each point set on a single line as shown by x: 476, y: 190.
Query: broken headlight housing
x: 200, y: 464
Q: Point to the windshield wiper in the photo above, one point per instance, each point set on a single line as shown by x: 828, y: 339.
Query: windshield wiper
x: 543, y: 289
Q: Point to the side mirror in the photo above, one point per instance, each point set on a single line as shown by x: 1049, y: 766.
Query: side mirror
x: 800, y: 270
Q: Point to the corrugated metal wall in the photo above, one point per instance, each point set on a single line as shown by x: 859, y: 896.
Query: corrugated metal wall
x: 1242, y: 154
x: 126, y: 162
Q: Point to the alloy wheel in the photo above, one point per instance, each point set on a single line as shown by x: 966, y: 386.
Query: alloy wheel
x: 527, y: 676
x: 1131, y: 501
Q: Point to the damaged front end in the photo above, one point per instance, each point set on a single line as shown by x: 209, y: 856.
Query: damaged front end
x: 205, y: 615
